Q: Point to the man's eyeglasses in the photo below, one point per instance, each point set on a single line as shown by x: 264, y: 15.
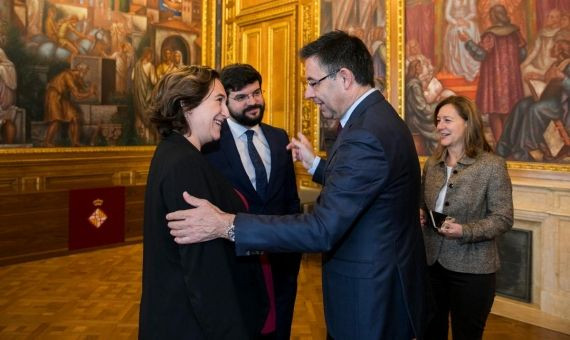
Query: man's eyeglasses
x: 313, y: 83
x: 243, y: 97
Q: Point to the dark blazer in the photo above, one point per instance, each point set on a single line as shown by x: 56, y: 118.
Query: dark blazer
x: 201, y: 291
x: 366, y: 220
x: 281, y: 199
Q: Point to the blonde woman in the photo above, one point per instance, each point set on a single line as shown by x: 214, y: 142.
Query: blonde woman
x: 464, y: 180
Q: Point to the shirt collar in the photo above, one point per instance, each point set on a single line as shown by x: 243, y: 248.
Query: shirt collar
x: 465, y: 160
x: 238, y: 130
x: 348, y: 113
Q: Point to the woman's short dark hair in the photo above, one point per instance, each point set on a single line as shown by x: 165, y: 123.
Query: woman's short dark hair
x: 474, y: 139
x: 176, y: 94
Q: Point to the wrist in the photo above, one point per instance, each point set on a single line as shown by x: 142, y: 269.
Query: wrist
x: 311, y: 160
x: 229, y: 232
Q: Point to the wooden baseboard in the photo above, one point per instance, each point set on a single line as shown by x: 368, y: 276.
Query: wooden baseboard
x: 530, y: 314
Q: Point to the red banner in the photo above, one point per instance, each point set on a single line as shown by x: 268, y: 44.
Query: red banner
x: 96, y: 217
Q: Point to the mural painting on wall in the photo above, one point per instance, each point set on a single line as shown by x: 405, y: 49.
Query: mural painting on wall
x: 81, y: 72
x: 365, y: 19
x: 512, y: 57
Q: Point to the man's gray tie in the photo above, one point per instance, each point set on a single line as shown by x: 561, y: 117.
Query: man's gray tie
x: 260, y: 172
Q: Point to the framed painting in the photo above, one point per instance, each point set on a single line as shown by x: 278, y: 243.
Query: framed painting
x: 80, y: 72
x: 368, y: 20
x: 511, y: 57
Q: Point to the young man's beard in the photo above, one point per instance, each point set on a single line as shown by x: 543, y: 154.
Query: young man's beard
x: 243, y: 119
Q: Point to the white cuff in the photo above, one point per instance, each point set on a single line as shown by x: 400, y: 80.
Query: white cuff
x: 313, y: 168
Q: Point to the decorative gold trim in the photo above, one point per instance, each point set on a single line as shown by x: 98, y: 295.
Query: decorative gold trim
x: 538, y: 166
x: 294, y: 70
x: 306, y: 110
x: 388, y: 32
x: 262, y: 8
x: 266, y: 11
x: 83, y: 149
x: 228, y: 29
x: 395, y: 56
x: 400, y: 58
x: 310, y: 117
x: 232, y: 16
x: 209, y: 32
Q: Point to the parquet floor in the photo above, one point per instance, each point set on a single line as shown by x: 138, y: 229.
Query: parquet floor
x: 95, y: 295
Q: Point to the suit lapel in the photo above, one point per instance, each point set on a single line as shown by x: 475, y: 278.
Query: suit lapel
x: 373, y: 98
x: 228, y: 145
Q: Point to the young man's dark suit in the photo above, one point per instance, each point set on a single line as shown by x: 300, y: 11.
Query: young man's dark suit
x: 282, y: 199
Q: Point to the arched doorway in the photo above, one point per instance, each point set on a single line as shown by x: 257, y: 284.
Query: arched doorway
x: 177, y: 43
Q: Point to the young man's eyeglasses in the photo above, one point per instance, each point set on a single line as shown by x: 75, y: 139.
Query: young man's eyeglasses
x: 242, y: 97
x: 313, y: 83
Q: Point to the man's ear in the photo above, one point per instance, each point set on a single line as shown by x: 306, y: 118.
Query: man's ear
x: 346, y: 76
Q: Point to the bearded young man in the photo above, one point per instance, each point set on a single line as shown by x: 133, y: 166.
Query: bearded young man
x: 266, y: 178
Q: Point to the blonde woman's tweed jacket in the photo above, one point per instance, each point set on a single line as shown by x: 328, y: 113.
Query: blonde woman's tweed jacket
x: 479, y: 197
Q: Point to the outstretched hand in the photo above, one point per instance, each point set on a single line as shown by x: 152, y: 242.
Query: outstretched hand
x: 302, y: 150
x: 203, y: 223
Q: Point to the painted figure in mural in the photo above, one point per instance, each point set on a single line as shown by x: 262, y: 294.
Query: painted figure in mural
x: 433, y: 88
x: 8, y: 86
x: 144, y: 79
x: 122, y: 65
x: 523, y: 138
x: 540, y: 57
x: 97, y: 44
x: 178, y: 62
x: 460, y: 16
x: 166, y: 65
x: 118, y: 35
x: 377, y: 46
x: 365, y: 14
x: 501, y: 50
x: 421, y: 23
x: 565, y: 21
x: 65, y: 27
x: 51, y: 26
x: 515, y: 9
x: 3, y: 30
x: 419, y: 113
x: 366, y: 20
x: 59, y: 106
x: 34, y: 10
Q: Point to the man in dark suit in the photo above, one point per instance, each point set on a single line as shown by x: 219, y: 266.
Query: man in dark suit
x: 366, y: 218
x: 278, y: 196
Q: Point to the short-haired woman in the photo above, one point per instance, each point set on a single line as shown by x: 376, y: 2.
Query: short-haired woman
x: 201, y: 291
